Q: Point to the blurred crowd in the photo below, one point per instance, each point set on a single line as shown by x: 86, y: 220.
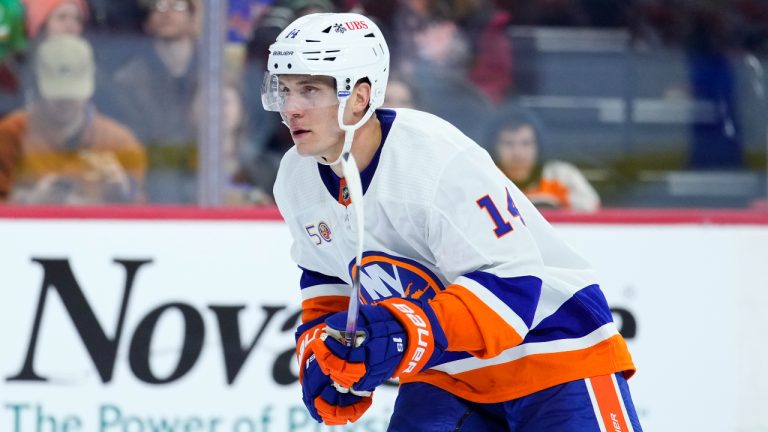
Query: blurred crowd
x: 100, y: 100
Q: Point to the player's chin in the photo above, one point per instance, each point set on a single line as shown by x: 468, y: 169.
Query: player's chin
x: 304, y: 142
x: 305, y: 148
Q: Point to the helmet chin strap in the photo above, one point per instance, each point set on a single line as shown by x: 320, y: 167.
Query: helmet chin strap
x: 349, y: 133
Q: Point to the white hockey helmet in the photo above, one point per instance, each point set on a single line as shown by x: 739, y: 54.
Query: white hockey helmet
x: 345, y: 46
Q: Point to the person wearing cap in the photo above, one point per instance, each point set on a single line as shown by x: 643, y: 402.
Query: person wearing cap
x: 60, y: 149
x: 52, y: 17
x: 42, y: 18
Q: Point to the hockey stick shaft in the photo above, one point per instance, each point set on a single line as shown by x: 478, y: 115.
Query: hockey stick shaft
x: 355, y: 187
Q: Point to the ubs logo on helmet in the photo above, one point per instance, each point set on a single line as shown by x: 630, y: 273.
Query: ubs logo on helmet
x: 385, y: 276
x: 350, y: 25
x: 338, y: 28
x: 356, y: 25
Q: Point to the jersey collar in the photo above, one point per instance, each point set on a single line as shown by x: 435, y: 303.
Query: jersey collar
x: 335, y: 185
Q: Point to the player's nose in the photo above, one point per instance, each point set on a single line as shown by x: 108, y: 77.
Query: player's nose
x: 293, y: 107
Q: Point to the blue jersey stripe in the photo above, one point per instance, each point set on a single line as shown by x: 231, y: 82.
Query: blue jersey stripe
x: 583, y: 313
x: 311, y: 278
x: 520, y: 293
x: 450, y: 356
x: 586, y: 311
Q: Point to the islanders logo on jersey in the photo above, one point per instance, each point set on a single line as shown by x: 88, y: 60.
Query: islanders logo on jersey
x: 324, y: 230
x: 385, y: 276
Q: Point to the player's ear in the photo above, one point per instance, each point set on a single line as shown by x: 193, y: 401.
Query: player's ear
x: 362, y: 96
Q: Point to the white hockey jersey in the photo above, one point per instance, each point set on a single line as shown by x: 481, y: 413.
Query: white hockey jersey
x: 520, y: 309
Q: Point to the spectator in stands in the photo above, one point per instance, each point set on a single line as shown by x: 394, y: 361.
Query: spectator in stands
x: 440, y: 73
x: 263, y: 127
x: 518, y: 148
x: 492, y: 68
x: 271, y: 16
x: 721, y: 75
x: 153, y: 94
x: 53, y: 17
x: 112, y: 16
x: 400, y: 94
x: 433, y: 51
x: 269, y: 138
x: 13, y: 42
x: 272, y: 19
x: 42, y: 18
x: 250, y: 173
x: 12, y: 37
x: 61, y: 150
x: 712, y: 78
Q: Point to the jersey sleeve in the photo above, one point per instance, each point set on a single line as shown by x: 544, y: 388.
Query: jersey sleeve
x: 321, y: 293
x: 479, y: 236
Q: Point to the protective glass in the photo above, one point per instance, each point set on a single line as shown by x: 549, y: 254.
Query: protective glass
x: 289, y: 93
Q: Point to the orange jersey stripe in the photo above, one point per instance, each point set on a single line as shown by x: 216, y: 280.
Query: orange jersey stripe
x: 532, y: 373
x: 318, y: 306
x: 471, y: 325
x: 608, y: 405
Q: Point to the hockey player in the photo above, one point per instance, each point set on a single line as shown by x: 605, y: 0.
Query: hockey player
x: 469, y: 297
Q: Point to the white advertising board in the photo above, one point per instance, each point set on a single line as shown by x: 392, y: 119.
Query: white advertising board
x: 115, y: 327
x: 698, y: 296
x: 121, y: 326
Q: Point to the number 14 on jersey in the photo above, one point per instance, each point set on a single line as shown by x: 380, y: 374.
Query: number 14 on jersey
x: 503, y: 227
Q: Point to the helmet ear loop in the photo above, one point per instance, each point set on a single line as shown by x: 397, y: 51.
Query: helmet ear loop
x: 349, y: 130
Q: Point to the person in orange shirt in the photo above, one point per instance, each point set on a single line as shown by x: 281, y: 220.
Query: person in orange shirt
x: 517, y: 149
x: 60, y: 149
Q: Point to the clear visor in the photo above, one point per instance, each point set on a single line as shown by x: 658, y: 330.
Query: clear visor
x: 295, y: 93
